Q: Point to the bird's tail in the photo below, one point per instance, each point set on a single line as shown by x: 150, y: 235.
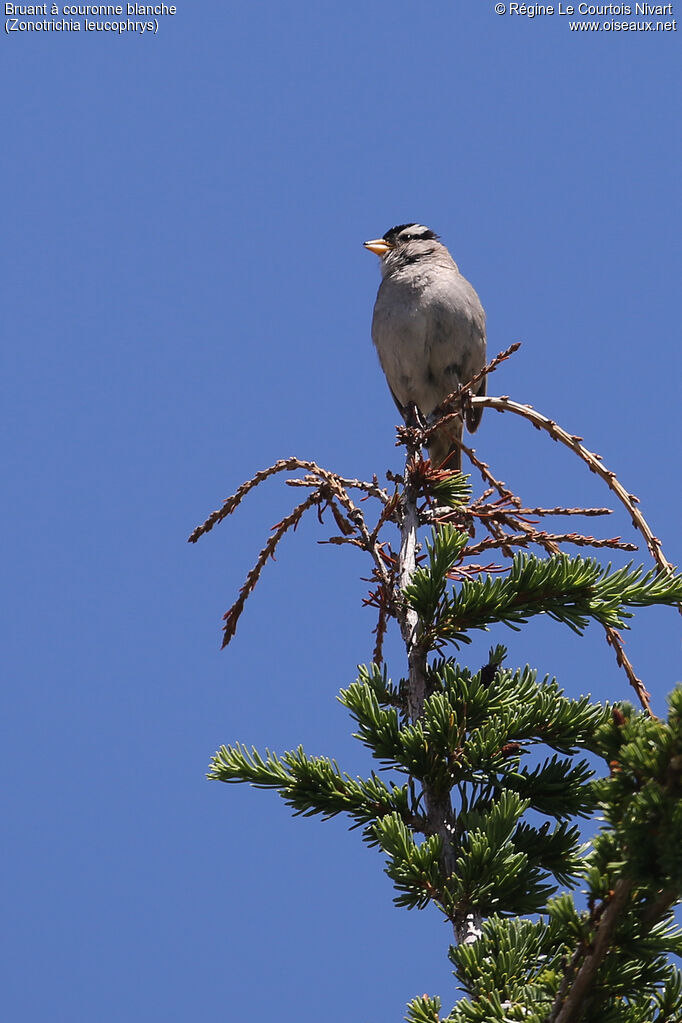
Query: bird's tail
x: 444, y: 451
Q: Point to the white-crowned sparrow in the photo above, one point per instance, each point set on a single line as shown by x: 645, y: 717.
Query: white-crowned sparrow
x: 428, y: 329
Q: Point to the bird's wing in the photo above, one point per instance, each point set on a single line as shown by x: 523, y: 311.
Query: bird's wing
x: 473, y: 415
x: 456, y: 342
x: 401, y: 408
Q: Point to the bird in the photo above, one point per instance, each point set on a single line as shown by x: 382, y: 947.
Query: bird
x: 428, y: 329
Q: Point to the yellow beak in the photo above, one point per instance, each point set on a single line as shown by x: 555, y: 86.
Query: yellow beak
x: 379, y: 246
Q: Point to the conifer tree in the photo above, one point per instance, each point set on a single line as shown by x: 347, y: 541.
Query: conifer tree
x: 483, y: 776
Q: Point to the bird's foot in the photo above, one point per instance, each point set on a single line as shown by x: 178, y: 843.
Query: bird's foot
x: 413, y: 417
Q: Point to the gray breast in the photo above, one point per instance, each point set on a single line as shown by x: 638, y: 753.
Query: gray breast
x: 429, y: 332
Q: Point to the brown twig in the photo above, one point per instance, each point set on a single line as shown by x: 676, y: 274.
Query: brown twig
x: 460, y: 572
x: 229, y: 505
x: 231, y: 617
x: 453, y: 402
x: 379, y: 599
x: 484, y: 469
x: 505, y: 404
x: 538, y: 536
x: 544, y: 540
x: 285, y: 465
x: 569, y: 972
x: 565, y: 511
x: 380, y: 632
x: 329, y: 487
x: 371, y: 489
x: 614, y: 640
x: 388, y: 512
x: 338, y: 541
x: 332, y: 487
x: 572, y: 1008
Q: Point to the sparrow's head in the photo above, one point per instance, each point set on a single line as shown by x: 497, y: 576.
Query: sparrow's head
x: 403, y: 245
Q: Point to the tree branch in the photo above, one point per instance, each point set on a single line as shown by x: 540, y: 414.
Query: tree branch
x: 439, y: 812
x: 505, y: 404
x: 573, y: 1007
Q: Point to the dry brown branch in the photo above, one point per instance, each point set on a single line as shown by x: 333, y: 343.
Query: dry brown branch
x: 509, y: 524
x: 497, y: 532
x: 453, y: 402
x: 330, y: 489
x: 488, y: 477
x: 341, y: 521
x: 380, y: 632
x: 505, y: 542
x: 630, y: 502
x: 338, y: 541
x: 333, y: 490
x: 387, y: 513
x: 614, y: 640
x: 524, y: 539
x: 461, y: 572
x: 231, y: 617
x: 467, y: 517
x: 565, y: 511
x: 505, y: 404
x: 371, y: 489
x: 285, y: 465
x: 229, y: 505
x: 544, y: 540
x: 383, y: 602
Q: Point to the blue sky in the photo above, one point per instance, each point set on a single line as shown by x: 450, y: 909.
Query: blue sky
x: 186, y: 299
